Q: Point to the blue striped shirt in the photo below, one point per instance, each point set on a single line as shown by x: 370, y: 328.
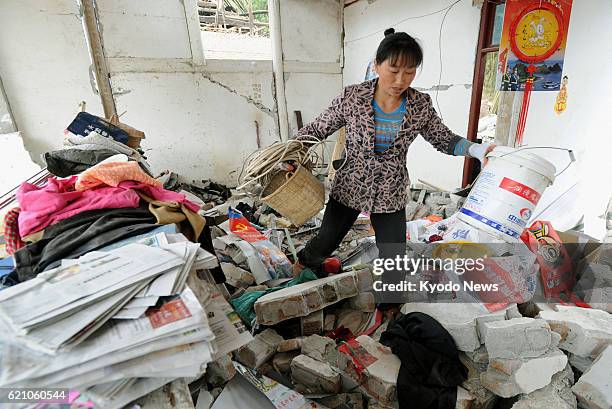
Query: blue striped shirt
x: 387, y: 125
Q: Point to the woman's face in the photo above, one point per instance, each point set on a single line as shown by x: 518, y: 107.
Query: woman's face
x: 394, y: 80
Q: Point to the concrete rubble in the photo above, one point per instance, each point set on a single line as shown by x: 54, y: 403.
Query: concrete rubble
x: 315, y: 376
x: 558, y: 394
x: 465, y: 322
x: 511, y: 377
x: 584, y: 332
x: 220, y: 371
x: 260, y: 349
x: 518, y: 338
x: 525, y: 357
x: 594, y: 388
x: 343, y: 401
x: 380, y: 378
x: 321, y: 337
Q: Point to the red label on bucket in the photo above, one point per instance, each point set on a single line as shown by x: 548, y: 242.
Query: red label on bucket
x: 520, y: 189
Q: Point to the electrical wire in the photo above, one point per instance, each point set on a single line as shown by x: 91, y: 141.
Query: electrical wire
x: 440, y: 54
x: 262, y: 165
x: 401, y: 21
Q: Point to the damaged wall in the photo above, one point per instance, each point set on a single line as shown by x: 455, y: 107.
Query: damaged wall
x: 199, y: 116
x: 364, y: 23
x: 44, y: 66
x: 199, y: 119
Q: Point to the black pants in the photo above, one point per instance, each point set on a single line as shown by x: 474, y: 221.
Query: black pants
x: 390, y: 230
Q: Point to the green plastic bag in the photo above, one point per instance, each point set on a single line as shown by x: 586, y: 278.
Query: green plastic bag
x: 245, y: 304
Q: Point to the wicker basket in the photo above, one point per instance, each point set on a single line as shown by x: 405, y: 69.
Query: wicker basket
x: 298, y: 196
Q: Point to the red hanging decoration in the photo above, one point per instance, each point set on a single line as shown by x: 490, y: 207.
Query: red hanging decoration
x: 535, y: 34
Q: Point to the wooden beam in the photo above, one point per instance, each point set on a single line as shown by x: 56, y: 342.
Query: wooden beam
x: 232, y: 21
x: 251, y: 17
x: 94, y: 39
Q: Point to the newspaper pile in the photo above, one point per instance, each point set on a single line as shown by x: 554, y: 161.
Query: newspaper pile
x: 113, y: 324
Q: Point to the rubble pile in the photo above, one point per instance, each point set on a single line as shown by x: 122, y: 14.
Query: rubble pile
x: 217, y: 313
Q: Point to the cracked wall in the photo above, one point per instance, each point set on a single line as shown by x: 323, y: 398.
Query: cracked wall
x: 200, y: 120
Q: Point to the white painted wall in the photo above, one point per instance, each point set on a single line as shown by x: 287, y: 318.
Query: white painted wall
x: 199, y: 116
x: 584, y: 126
x: 44, y: 67
x: 364, y: 24
x: 199, y: 121
x: 312, y: 51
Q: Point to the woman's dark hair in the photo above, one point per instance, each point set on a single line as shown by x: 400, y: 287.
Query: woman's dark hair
x: 400, y: 49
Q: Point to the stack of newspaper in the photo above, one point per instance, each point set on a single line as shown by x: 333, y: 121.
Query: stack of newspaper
x: 63, y: 329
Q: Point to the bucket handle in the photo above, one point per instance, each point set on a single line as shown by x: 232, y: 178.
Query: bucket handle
x: 569, y: 151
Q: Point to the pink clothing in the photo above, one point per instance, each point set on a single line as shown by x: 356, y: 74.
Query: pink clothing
x: 112, y: 174
x: 58, y: 200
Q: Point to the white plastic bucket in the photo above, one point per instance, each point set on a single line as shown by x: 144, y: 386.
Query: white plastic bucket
x: 507, y: 190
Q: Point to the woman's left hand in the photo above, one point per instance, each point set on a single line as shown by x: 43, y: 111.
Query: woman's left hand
x: 489, y: 149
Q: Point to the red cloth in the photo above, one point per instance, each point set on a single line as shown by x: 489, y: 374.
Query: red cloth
x: 58, y: 200
x: 11, y: 231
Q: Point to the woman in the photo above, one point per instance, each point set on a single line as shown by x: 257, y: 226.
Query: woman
x: 382, y: 117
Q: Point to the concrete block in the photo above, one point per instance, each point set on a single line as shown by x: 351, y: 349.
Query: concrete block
x: 459, y: 319
x: 329, y: 322
x: 260, y: 349
x: 363, y: 302
x: 306, y: 298
x: 236, y: 276
x: 220, y: 371
x: 379, y: 380
x: 282, y: 361
x: 594, y: 388
x: 557, y: 395
x: 511, y: 377
x: 312, y: 323
x: 315, y: 376
x: 481, y: 322
x: 254, y: 288
x: 584, y: 332
x: 352, y: 319
x: 343, y: 401
x: 513, y: 312
x: 581, y: 363
x: 465, y: 400
x: 482, y: 397
x: 318, y: 347
x: 518, y: 338
x: 480, y: 356
x: 364, y: 279
x: 293, y: 344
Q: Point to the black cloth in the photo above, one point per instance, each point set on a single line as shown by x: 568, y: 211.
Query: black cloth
x: 431, y: 369
x: 80, y: 234
x: 67, y: 162
x: 390, y: 231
